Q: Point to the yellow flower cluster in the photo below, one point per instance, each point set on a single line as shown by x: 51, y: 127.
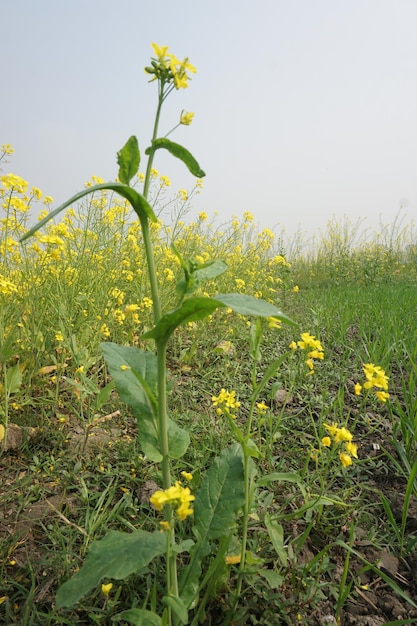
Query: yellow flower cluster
x: 7, y: 288
x: 167, y: 68
x: 176, y: 495
x: 186, y: 118
x: 316, y: 350
x: 226, y: 403
x: 341, y: 436
x: 375, y: 379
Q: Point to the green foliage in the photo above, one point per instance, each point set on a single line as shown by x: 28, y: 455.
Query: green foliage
x: 115, y: 556
x: 179, y: 152
x: 198, y: 308
x: 135, y: 373
x: 217, y: 504
x: 128, y: 159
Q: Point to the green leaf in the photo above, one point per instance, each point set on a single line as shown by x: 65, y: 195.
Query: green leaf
x: 128, y: 159
x: 138, y: 617
x: 104, y: 395
x: 276, y: 535
x: 179, y: 152
x: 196, y: 275
x: 13, y: 379
x: 221, y: 495
x: 288, y: 477
x: 249, y: 305
x: 219, y: 499
x: 190, y: 310
x: 139, y: 204
x: 138, y: 387
x: 178, y: 439
x: 255, y: 337
x: 199, y: 307
x: 178, y: 607
x: 273, y: 579
x: 116, y: 556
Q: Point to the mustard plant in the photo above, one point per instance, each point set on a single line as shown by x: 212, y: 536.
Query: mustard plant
x: 140, y: 376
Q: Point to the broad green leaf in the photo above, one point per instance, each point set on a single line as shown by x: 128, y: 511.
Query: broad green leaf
x: 139, y: 204
x: 189, y: 311
x: 138, y: 617
x: 13, y: 379
x: 179, y: 152
x: 220, y: 496
x: 197, y: 308
x: 276, y: 535
x: 141, y: 368
x: 135, y: 373
x: 116, y: 556
x: 218, y: 501
x: 249, y: 305
x: 178, y: 439
x: 178, y: 607
x: 128, y: 159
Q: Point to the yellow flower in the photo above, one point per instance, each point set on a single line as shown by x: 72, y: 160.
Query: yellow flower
x: 262, y: 407
x: 331, y: 428
x: 131, y: 308
x: 106, y: 588
x: 358, y: 389
x: 105, y: 330
x: 226, y: 402
x: 59, y: 336
x: 165, y: 182
x: 316, y: 354
x: 186, y: 118
x: 293, y: 345
x: 296, y: 289
x: 232, y: 559
x: 345, y: 459
x: 326, y: 441
x: 202, y: 216
x: 274, y: 323
x: 124, y: 368
x: 176, y: 495
x: 160, y: 51
x: 6, y: 148
x: 343, y: 434
x: 382, y: 395
x: 165, y: 525
x: 2, y: 432
x: 187, y: 475
x: 352, y: 449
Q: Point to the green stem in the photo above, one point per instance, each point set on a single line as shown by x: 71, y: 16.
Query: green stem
x: 162, y: 413
x: 150, y: 258
x: 161, y: 347
x: 246, y: 478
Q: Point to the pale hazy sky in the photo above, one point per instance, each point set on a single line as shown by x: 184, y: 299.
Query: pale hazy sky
x: 304, y: 109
